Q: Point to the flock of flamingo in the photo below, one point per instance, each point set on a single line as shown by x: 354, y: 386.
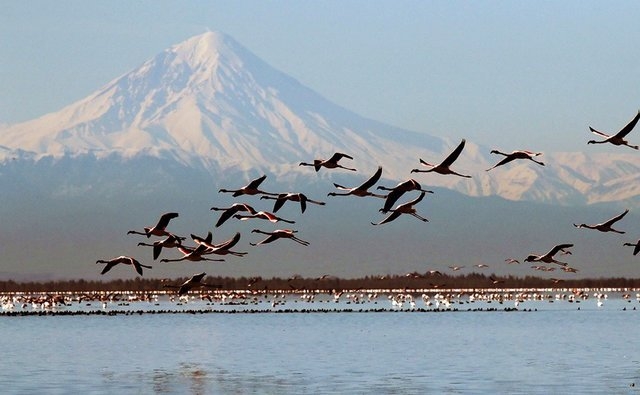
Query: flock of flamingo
x: 204, y: 248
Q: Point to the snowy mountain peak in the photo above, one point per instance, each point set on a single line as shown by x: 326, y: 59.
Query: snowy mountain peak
x: 209, y: 103
x: 188, y: 98
x: 204, y: 52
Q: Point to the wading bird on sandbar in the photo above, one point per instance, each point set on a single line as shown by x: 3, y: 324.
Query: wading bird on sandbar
x: 330, y: 163
x: 405, y: 208
x: 249, y: 189
x: 636, y: 250
x: 279, y: 234
x: 361, y: 190
x: 605, y: 226
x: 548, y: 257
x: 159, y: 229
x: 618, y: 138
x: 127, y: 260
x: 444, y: 167
x: 294, y: 197
x: 520, y: 154
x: 399, y: 190
x: 231, y: 211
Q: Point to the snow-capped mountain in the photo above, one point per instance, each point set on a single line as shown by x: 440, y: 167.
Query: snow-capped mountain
x: 206, y: 114
x: 209, y: 103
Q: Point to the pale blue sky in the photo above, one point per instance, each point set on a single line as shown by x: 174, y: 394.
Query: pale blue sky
x: 509, y: 74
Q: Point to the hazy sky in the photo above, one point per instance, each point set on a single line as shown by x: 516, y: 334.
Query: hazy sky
x: 509, y: 74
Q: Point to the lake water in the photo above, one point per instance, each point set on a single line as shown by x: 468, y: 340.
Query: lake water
x: 543, y: 348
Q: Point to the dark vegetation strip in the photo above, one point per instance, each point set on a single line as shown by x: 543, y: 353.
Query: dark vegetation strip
x: 413, y: 281
x: 112, y: 313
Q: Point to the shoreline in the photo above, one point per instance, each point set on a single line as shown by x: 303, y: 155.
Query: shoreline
x: 422, y: 300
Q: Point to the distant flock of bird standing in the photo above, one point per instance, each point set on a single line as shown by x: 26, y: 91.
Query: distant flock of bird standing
x: 204, y: 248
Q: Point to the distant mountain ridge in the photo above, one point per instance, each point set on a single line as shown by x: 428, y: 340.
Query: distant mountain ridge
x: 209, y: 103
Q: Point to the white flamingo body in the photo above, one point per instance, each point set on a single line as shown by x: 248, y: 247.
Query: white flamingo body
x: 279, y: 234
x: 263, y: 215
x: 192, y: 254
x: 444, y: 167
x: 159, y: 229
x: 301, y: 198
x: 126, y: 260
x: 399, y: 190
x: 223, y: 248
x: 520, y: 154
x: 405, y: 208
x: 171, y: 241
x: 250, y: 189
x: 605, y: 226
x: 229, y: 212
x: 549, y: 256
x: 331, y: 163
x: 194, y: 282
x: 636, y: 250
x: 361, y: 190
x: 618, y: 138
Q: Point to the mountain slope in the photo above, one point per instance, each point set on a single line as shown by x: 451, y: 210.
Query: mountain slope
x: 208, y: 103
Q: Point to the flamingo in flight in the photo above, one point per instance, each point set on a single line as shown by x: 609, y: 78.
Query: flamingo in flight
x: 231, y: 211
x: 263, y: 215
x: 294, y: 197
x: 548, y: 257
x: 171, y: 241
x: 636, y: 250
x: 223, y: 248
x: 127, y: 260
x: 361, y: 190
x: 279, y: 234
x: 330, y: 163
x: 249, y: 189
x: 159, y: 229
x: 520, y: 154
x: 192, y: 254
x: 194, y: 282
x: 399, y: 190
x: 444, y: 167
x: 405, y: 208
x: 618, y: 138
x: 605, y: 226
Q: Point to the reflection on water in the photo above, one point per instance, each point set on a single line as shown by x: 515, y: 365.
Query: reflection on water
x: 190, y: 377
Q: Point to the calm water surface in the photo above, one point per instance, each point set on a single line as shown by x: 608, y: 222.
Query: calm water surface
x: 552, y: 350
